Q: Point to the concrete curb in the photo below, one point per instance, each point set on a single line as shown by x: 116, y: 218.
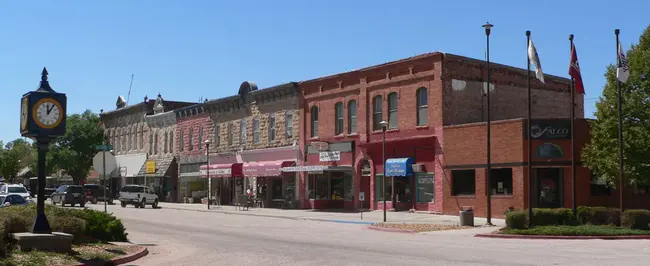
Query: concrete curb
x: 392, y: 230
x: 142, y: 251
x: 276, y: 216
x: 505, y: 236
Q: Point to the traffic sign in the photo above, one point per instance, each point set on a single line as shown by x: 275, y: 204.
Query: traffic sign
x: 103, y: 147
x: 104, y: 158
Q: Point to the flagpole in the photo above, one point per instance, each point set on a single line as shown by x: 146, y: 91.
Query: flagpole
x: 573, y: 117
x: 621, y: 171
x: 530, y: 141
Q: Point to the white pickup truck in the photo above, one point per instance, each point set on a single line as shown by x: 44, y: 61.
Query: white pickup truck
x: 138, y: 196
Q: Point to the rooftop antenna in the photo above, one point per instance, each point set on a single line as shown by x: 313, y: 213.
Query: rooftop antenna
x: 128, y: 96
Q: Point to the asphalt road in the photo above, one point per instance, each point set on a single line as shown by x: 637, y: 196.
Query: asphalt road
x: 177, y: 237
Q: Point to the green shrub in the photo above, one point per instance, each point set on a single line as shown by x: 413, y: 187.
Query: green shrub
x: 517, y: 219
x: 562, y: 216
x: 599, y: 215
x: 636, y: 219
x: 69, y: 225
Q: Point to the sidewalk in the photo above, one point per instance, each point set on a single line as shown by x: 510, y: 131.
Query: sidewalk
x: 370, y: 217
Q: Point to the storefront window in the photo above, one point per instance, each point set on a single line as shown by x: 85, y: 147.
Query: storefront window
x: 348, y: 193
x: 386, y: 190
x: 337, y: 190
x: 403, y: 189
x: 425, y: 187
x: 322, y: 187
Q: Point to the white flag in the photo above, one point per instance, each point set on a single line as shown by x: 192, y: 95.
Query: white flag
x: 532, y: 55
x: 623, y: 69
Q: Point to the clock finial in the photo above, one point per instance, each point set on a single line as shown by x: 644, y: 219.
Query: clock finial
x: 45, y: 85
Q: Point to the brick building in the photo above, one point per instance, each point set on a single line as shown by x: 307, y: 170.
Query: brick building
x: 193, y: 127
x: 253, y: 134
x: 418, y: 98
x: 128, y: 133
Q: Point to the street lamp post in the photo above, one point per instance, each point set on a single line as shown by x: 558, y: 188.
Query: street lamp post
x: 207, y: 169
x: 383, y: 124
x: 488, y: 28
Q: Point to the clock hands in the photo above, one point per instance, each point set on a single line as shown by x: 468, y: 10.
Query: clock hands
x: 49, y: 108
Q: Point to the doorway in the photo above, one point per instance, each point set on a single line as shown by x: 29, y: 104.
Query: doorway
x: 550, y: 187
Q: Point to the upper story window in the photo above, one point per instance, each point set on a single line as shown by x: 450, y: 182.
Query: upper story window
x: 243, y: 130
x: 271, y: 127
x: 377, y: 115
x: 191, y: 139
x: 422, y: 105
x: 338, y: 118
x: 314, y: 121
x: 181, y: 140
x: 166, y: 139
x: 171, y: 142
x: 352, y: 116
x: 230, y: 133
x: 256, y: 130
x: 392, y: 110
x: 217, y: 135
x: 288, y: 124
x: 200, y: 143
x: 141, y: 140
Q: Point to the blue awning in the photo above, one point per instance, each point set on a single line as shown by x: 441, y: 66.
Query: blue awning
x: 399, y: 167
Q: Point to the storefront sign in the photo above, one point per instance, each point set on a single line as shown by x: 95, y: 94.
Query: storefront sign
x: 320, y: 145
x: 425, y: 180
x: 551, y: 129
x: 151, y: 166
x: 305, y: 168
x: 217, y: 172
x: 330, y: 156
x: 399, y: 167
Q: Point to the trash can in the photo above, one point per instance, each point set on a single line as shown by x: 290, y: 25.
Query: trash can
x: 466, y: 216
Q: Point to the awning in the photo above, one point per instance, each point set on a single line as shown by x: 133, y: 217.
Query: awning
x: 268, y: 168
x: 399, y: 167
x: 222, y: 170
x: 316, y: 168
x: 162, y: 166
x: 129, y: 165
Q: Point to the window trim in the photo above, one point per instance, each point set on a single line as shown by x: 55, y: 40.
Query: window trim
x: 271, y: 128
x: 288, y: 124
x: 243, y: 132
x: 256, y: 131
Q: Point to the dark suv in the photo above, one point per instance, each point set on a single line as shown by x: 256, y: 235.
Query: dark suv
x: 95, y: 193
x: 69, y: 194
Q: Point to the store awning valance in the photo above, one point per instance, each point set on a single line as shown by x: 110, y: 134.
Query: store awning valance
x: 399, y: 167
x: 266, y: 168
x: 316, y: 168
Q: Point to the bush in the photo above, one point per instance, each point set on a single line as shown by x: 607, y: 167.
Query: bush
x: 69, y: 225
x: 562, y: 216
x: 599, y: 215
x: 517, y: 219
x: 636, y: 219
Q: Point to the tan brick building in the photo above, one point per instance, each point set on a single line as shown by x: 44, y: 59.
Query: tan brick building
x: 252, y: 135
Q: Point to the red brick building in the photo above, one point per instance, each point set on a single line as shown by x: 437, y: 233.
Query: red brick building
x: 421, y: 98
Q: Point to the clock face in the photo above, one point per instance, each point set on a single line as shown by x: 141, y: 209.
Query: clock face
x: 23, y: 114
x: 47, y: 113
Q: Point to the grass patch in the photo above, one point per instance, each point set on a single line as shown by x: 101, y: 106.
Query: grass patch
x: 420, y: 227
x: 80, y: 254
x: 580, y: 230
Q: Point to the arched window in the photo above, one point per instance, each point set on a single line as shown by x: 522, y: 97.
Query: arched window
x: 377, y: 107
x: 422, y: 105
x: 392, y: 110
x: 314, y: 121
x: 352, y: 116
x: 338, y: 118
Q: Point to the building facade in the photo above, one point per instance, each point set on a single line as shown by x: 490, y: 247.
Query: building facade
x: 253, y: 135
x: 347, y: 147
x: 193, y: 127
x: 128, y: 133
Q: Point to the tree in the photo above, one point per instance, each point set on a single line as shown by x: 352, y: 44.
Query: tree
x: 601, y: 154
x: 74, y: 151
x: 14, y: 156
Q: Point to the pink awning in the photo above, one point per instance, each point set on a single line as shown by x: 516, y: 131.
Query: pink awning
x: 266, y: 168
x: 222, y: 170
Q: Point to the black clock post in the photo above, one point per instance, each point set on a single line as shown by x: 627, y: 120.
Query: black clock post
x: 42, y: 118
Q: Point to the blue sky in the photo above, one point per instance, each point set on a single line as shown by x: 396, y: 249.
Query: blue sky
x: 201, y: 48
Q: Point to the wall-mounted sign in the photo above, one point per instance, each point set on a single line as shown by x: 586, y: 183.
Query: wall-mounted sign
x: 550, y: 129
x: 217, y: 172
x: 330, y: 156
x: 151, y: 166
x: 305, y: 168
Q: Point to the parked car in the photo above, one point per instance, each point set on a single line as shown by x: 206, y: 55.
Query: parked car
x: 49, y: 191
x: 95, y: 193
x: 15, y: 189
x: 12, y: 200
x: 138, y: 196
x: 69, y: 194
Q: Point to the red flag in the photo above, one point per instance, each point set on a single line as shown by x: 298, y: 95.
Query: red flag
x: 574, y: 71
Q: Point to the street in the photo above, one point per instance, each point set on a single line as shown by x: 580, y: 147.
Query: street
x: 177, y: 237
